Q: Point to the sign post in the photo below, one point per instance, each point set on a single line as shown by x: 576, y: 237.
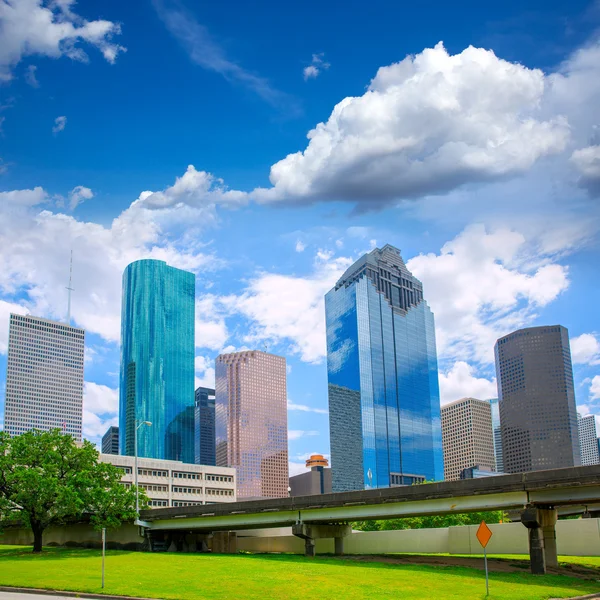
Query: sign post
x: 103, y: 552
x: 484, y: 534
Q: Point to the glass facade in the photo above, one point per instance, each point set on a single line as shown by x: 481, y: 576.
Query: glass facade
x: 157, y: 361
x: 384, y: 404
x: 204, y: 442
x: 497, y: 434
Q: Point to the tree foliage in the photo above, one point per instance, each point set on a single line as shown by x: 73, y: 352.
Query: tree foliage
x: 47, y: 479
x: 431, y: 522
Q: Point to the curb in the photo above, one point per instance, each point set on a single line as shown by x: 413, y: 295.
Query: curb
x: 42, y: 592
x: 588, y: 597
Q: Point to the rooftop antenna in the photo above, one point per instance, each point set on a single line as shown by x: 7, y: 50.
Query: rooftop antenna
x: 70, y: 289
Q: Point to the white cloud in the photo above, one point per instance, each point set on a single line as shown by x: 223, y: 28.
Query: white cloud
x: 34, y: 255
x: 304, y: 408
x: 587, y: 162
x: 483, y: 285
x: 30, y: 77
x: 100, y: 399
x: 205, y: 372
x: 206, y: 52
x: 585, y: 349
x: 426, y: 125
x: 595, y: 388
x: 296, y: 434
x: 95, y: 427
x: 78, y: 194
x: 59, y: 123
x: 35, y: 27
x: 5, y: 309
x: 211, y: 330
x: 300, y: 246
x: 289, y: 308
x: 461, y: 382
x: 297, y: 468
x: 317, y: 65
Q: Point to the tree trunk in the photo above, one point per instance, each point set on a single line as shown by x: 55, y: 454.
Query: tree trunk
x: 38, y: 530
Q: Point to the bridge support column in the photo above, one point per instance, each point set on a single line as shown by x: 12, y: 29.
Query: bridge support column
x: 311, y: 532
x: 540, y: 523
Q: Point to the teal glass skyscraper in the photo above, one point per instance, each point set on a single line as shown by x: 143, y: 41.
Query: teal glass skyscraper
x: 157, y: 361
x: 384, y: 405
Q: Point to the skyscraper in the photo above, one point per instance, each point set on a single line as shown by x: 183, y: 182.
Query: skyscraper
x: 588, y: 440
x: 157, y: 361
x: 44, y: 376
x: 204, y: 417
x: 467, y: 436
x: 251, y: 422
x: 537, y: 401
x: 497, y: 434
x: 384, y: 406
x: 110, y: 441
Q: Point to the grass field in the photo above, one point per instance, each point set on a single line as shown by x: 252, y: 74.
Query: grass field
x: 193, y: 576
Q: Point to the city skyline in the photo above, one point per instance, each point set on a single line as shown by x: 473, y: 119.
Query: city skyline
x: 121, y: 158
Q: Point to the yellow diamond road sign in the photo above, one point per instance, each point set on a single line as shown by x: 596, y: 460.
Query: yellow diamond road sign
x: 484, y: 533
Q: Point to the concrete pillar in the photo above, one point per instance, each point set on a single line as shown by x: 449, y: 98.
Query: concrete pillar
x: 548, y: 518
x: 339, y: 546
x: 309, y: 547
x: 531, y: 519
x: 309, y: 532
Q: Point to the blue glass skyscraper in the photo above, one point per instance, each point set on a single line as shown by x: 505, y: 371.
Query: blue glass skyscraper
x: 157, y: 361
x: 384, y: 405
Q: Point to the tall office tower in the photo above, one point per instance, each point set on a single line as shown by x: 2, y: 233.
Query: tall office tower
x: 537, y: 402
x: 497, y: 434
x: 384, y: 405
x: 204, y: 418
x: 467, y: 436
x: 110, y: 441
x: 251, y: 422
x: 588, y: 440
x: 157, y: 361
x: 44, y: 376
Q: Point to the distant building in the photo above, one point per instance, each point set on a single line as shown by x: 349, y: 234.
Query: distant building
x: 467, y: 437
x: 204, y: 418
x: 588, y: 440
x: 314, y: 482
x: 174, y: 483
x: 44, y: 376
x: 497, y: 434
x: 251, y: 422
x: 110, y: 441
x: 384, y: 405
x: 537, y: 401
x: 477, y: 473
x: 157, y: 361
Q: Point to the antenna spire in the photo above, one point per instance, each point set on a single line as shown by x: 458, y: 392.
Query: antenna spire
x: 70, y: 289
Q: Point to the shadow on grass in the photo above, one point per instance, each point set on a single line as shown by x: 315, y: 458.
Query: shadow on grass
x: 56, y: 553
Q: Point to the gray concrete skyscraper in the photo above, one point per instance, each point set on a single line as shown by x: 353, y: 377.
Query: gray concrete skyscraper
x: 204, y: 427
x: 588, y: 440
x: 537, y: 400
x: 44, y: 378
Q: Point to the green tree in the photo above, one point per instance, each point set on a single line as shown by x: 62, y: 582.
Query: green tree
x: 47, y: 479
x: 430, y: 522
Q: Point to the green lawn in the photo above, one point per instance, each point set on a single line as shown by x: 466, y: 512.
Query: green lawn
x: 193, y: 576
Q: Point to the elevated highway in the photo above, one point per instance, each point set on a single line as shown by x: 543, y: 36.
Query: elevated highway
x: 537, y: 494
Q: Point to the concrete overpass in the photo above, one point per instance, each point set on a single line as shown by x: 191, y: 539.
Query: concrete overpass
x: 538, y: 495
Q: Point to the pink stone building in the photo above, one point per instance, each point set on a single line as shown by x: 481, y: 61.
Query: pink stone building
x: 251, y: 422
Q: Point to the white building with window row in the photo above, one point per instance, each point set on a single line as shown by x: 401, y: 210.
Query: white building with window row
x: 588, y: 440
x: 173, y: 483
x: 44, y: 376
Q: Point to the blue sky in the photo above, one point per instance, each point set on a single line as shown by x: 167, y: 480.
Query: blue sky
x: 267, y: 146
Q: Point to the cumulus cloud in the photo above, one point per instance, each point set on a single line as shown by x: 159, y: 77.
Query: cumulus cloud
x: 34, y: 255
x: 5, y: 309
x: 100, y: 409
x: 587, y: 163
x: 484, y: 284
x: 52, y: 29
x: 211, y: 329
x: 78, y: 194
x: 288, y: 308
x: 30, y: 77
x: 426, y: 125
x: 205, y: 372
x: 59, y: 124
x: 317, y: 65
x: 585, y: 349
x: 300, y: 246
x: 461, y: 382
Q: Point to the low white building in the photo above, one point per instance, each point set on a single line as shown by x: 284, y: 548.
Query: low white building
x: 174, y: 483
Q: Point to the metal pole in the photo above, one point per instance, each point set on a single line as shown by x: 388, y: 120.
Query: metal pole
x: 487, y: 583
x: 137, y: 502
x: 103, y: 553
